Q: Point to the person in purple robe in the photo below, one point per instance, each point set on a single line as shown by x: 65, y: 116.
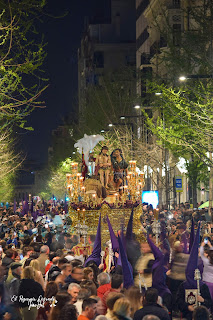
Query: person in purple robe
x: 185, y: 305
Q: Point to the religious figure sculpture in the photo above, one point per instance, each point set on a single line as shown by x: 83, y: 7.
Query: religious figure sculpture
x: 103, y: 164
x: 119, y: 166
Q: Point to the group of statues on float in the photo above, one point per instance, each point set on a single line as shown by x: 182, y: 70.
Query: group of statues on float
x: 111, y: 169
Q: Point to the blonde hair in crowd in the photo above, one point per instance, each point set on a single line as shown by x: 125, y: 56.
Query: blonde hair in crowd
x: 28, y: 273
x: 35, y: 265
x: 134, y: 295
x: 121, y: 308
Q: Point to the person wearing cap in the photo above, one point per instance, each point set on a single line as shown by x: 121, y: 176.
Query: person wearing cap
x: 14, y: 277
x: 12, y: 285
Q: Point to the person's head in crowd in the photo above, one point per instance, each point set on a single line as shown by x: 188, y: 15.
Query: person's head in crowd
x: 51, y: 289
x: 89, y: 308
x: 27, y: 261
x: 39, y: 238
x: 101, y: 317
x: 88, y: 273
x: 91, y: 239
x: 68, y: 312
x: 117, y: 281
x: 36, y: 247
x: 69, y: 244
x: 61, y: 262
x: 145, y: 248
x: 44, y: 250
x: 121, y: 308
x: 35, y: 265
x: 66, y: 270
x: 84, y: 293
x: 73, y: 290
x: 201, y: 313
x: 91, y: 264
x: 77, y: 273
x: 16, y: 268
x: 3, y: 244
x: 173, y: 227
x: 103, y: 278
x: 151, y: 317
x: 62, y: 299
x: 10, y: 253
x: 28, y: 273
x: 26, y: 241
x: 52, y: 255
x: 76, y: 262
x: 89, y: 285
x: 55, y: 260
x: 181, y: 228
x: 100, y: 310
x: 210, y: 255
x: 151, y: 296
x: 59, y: 252
x: 178, y: 248
x: 74, y: 239
x: 70, y: 256
x: 134, y: 295
x: 112, y: 298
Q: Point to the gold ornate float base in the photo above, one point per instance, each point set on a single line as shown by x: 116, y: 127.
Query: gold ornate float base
x: 116, y: 216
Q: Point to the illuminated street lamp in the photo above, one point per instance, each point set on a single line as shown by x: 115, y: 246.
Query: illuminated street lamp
x: 182, y: 78
x: 137, y: 107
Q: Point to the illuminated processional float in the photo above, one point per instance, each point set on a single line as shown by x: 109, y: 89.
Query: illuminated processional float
x: 86, y: 204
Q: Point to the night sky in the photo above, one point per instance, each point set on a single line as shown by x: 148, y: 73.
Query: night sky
x: 63, y: 36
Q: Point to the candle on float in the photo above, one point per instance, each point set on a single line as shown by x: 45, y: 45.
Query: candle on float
x: 83, y: 214
x: 130, y: 174
x: 83, y: 189
x: 78, y: 210
x: 116, y: 197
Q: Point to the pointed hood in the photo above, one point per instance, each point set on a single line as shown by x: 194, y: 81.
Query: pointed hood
x: 114, y: 240
x: 192, y: 235
x: 129, y: 226
x: 23, y: 208
x: 127, y: 273
x: 14, y: 206
x: 192, y: 264
x: 158, y: 269
x: 96, y: 253
x: 26, y: 205
x: 31, y: 206
x: 123, y: 240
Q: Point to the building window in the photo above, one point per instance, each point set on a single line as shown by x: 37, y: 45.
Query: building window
x: 176, y: 34
x: 145, y: 58
x: 146, y: 74
x: 176, y: 4
x: 98, y: 59
x: 130, y: 60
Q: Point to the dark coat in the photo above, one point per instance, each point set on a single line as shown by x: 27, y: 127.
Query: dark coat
x: 29, y: 288
x: 183, y: 306
x: 154, y: 309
